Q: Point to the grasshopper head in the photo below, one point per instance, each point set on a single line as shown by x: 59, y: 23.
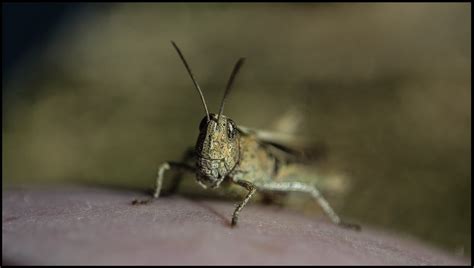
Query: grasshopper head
x: 217, y: 149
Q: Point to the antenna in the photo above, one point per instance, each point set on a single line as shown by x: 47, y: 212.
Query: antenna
x: 192, y: 78
x: 236, y: 69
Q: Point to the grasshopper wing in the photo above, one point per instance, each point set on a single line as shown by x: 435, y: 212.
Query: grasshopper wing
x: 287, y: 146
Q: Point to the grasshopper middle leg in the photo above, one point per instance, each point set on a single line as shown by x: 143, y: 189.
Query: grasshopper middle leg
x: 311, y: 189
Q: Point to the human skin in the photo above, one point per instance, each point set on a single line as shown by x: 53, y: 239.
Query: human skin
x: 84, y: 225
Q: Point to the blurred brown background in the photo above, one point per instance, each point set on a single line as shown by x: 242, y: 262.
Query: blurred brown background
x: 386, y: 86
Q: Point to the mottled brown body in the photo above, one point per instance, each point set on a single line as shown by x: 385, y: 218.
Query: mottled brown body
x: 256, y: 164
x: 225, y: 151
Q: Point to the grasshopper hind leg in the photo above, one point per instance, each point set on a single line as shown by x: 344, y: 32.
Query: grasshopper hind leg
x: 314, y: 192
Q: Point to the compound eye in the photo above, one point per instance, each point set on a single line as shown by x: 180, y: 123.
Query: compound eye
x: 203, y: 123
x: 231, y: 130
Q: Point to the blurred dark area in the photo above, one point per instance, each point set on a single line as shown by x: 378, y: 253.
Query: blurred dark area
x: 29, y: 26
x: 95, y: 94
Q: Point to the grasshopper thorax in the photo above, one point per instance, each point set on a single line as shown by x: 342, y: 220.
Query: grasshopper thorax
x: 217, y: 149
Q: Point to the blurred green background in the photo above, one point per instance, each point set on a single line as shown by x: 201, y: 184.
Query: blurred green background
x: 386, y: 86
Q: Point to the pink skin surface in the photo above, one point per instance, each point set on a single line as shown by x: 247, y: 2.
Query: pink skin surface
x: 79, y: 225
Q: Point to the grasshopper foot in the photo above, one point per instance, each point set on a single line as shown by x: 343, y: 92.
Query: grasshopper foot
x: 137, y: 202
x: 352, y: 226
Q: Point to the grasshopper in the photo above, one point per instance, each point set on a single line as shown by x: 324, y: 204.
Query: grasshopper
x: 227, y: 152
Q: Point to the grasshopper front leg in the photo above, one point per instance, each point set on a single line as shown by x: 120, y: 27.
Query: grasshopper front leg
x: 159, y: 179
x: 188, y: 158
x: 251, y: 188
